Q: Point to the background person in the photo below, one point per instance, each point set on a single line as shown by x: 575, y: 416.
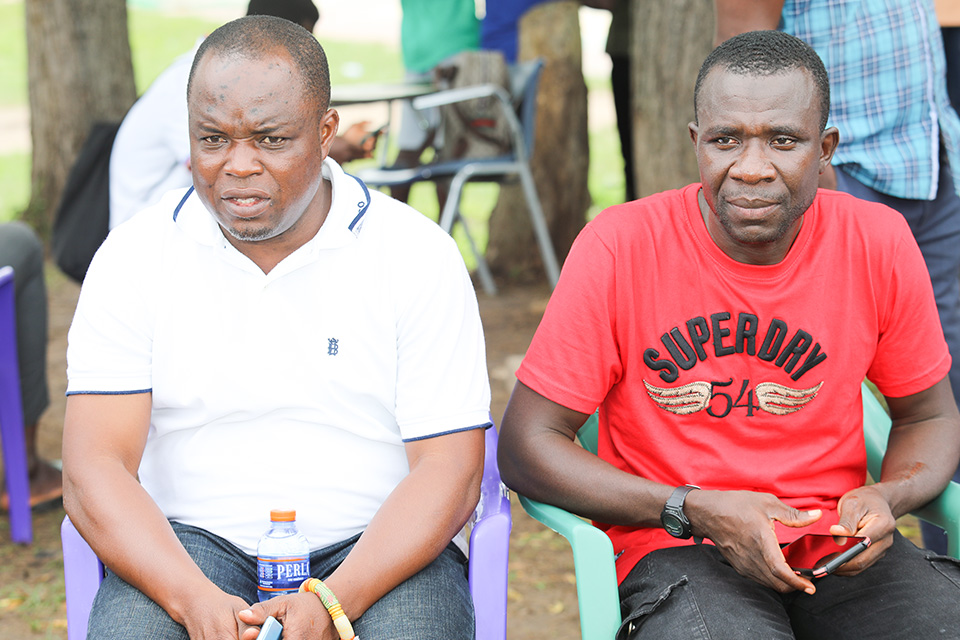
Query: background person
x: 21, y: 248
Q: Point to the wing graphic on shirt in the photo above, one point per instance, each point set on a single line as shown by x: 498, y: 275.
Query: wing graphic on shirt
x: 684, y: 400
x: 690, y: 398
x: 780, y: 400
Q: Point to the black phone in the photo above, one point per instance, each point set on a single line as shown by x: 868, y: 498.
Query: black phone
x: 816, y: 554
x: 375, y: 135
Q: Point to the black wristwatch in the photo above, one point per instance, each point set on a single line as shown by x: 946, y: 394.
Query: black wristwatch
x: 673, y: 519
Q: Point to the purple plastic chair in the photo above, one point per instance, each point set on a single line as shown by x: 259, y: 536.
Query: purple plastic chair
x: 11, y: 416
x: 489, y: 550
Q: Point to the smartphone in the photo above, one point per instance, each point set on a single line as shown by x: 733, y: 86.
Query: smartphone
x: 375, y: 134
x: 815, y: 554
x: 270, y: 630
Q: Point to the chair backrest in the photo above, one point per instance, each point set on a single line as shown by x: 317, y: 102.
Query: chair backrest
x: 489, y: 550
x: 524, y: 84
x: 11, y: 416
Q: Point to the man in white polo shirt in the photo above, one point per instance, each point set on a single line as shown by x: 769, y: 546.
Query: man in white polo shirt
x: 278, y: 336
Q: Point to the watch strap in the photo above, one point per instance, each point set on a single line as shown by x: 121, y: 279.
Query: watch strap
x: 676, y: 501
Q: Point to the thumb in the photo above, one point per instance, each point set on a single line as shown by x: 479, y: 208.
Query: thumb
x: 255, y: 615
x: 795, y: 518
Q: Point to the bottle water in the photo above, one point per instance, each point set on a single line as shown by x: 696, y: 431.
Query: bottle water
x: 283, y: 556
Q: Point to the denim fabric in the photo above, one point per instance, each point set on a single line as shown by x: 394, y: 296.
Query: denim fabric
x: 936, y: 227
x: 20, y: 248
x: 686, y: 593
x: 434, y: 603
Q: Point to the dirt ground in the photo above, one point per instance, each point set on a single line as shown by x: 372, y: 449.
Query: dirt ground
x: 541, y: 601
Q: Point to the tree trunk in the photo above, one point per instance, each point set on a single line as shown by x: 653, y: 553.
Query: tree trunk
x: 550, y: 31
x: 672, y: 40
x: 80, y: 71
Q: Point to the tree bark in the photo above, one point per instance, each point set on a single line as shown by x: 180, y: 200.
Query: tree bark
x: 672, y: 40
x: 80, y: 71
x: 550, y: 31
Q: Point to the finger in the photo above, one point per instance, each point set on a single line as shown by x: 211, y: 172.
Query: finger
x: 795, y: 518
x: 791, y: 580
x: 255, y: 615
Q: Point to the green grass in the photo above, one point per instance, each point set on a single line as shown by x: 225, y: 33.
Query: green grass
x: 13, y: 55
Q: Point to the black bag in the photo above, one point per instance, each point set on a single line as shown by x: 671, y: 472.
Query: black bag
x: 83, y: 217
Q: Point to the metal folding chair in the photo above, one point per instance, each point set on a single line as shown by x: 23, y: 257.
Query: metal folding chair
x: 11, y: 416
x: 489, y: 549
x: 599, y: 600
x: 520, y: 112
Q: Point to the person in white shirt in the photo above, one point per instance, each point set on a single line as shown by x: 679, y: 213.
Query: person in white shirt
x: 278, y: 334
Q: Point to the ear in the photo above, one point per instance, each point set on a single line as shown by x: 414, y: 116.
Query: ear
x: 329, y: 125
x: 828, y: 145
x: 694, y: 132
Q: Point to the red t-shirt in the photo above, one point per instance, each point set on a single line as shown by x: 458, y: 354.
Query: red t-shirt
x: 732, y: 376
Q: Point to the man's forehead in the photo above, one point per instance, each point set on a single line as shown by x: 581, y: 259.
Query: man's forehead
x: 723, y: 87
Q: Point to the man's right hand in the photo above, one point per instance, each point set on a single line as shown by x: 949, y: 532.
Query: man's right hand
x: 741, y: 525
x: 215, y: 617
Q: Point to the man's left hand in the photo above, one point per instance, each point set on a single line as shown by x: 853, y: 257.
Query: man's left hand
x: 865, y: 512
x: 302, y: 615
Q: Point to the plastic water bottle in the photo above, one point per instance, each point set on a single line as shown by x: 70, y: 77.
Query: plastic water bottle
x: 283, y: 556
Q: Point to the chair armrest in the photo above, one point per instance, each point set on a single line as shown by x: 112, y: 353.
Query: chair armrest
x: 490, y: 548
x: 461, y: 94
x: 82, y: 574
x: 944, y: 511
x: 593, y: 561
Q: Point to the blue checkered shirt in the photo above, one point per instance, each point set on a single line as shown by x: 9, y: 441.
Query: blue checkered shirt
x: 888, y: 89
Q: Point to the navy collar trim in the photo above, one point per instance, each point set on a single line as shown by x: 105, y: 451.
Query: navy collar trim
x: 183, y: 201
x: 362, y: 205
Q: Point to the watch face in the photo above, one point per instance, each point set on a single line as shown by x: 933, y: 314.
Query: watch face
x: 672, y: 524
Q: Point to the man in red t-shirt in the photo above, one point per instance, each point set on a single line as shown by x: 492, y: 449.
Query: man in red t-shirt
x: 723, y: 330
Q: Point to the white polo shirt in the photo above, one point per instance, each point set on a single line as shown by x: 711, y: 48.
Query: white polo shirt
x: 295, y: 388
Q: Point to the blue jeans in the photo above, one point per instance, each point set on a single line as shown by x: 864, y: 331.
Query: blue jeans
x: 21, y: 248
x: 936, y: 226
x: 434, y: 603
x: 691, y: 592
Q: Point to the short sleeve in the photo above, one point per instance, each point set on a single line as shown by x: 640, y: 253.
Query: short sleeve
x: 109, y: 348
x: 442, y: 383
x: 574, y: 357
x: 912, y: 354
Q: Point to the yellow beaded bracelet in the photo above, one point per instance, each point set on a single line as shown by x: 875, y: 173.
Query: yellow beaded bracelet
x: 340, y: 620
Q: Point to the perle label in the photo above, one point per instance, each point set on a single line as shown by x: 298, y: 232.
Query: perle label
x: 282, y: 574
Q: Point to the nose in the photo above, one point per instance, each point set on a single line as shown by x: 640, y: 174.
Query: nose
x: 753, y: 163
x: 243, y: 160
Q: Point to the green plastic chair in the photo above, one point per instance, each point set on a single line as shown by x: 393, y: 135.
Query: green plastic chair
x: 597, y: 594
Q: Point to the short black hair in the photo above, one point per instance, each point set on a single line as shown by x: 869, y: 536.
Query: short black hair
x: 762, y: 53
x: 253, y: 37
x: 298, y: 11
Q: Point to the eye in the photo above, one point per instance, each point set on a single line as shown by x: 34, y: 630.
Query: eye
x: 784, y: 141
x: 724, y: 142
x: 273, y: 141
x: 213, y: 140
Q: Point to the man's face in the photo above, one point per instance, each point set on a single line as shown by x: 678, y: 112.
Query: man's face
x: 256, y: 147
x: 760, y: 152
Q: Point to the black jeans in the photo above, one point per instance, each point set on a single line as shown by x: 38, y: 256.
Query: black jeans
x: 691, y: 592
